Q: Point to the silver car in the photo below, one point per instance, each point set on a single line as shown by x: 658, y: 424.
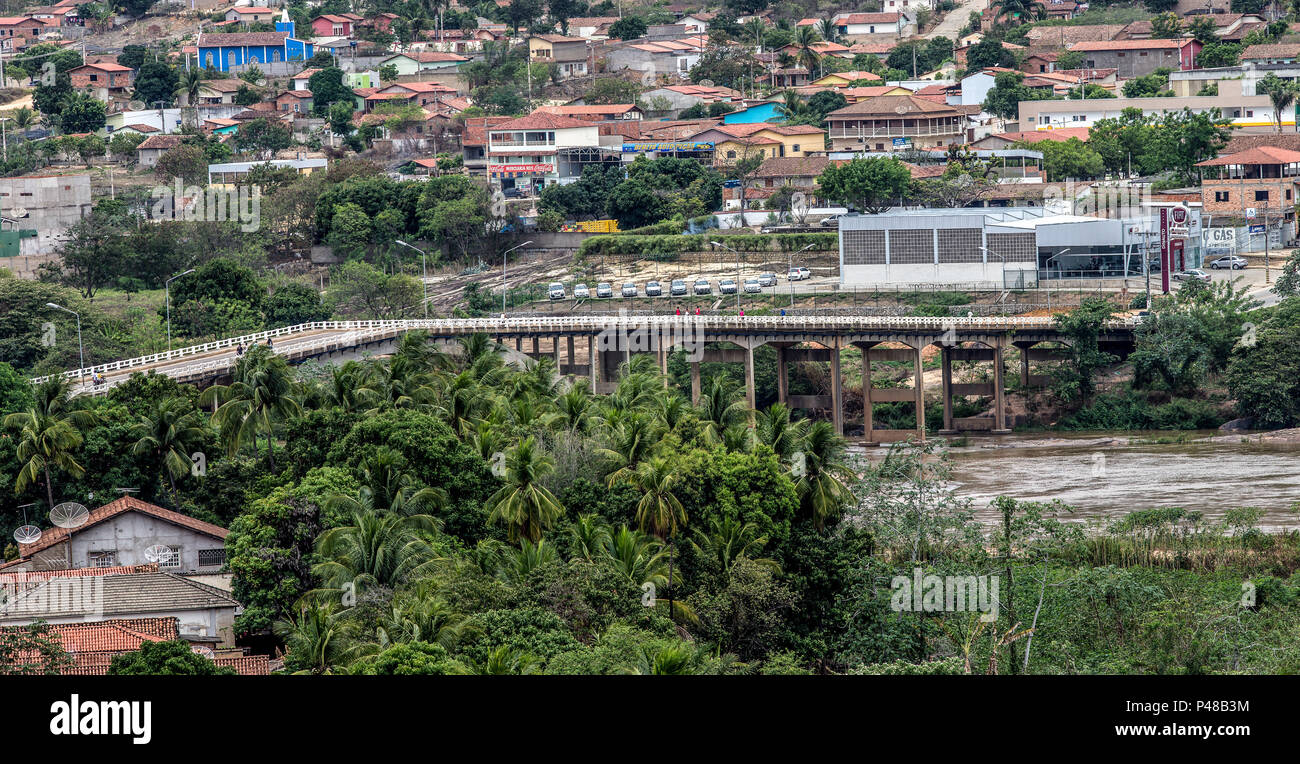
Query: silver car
x: 604, y: 289
x: 1194, y: 274
x: 767, y: 279
x: 727, y: 286
x: 653, y: 289
x: 1232, y: 262
x: 703, y: 287
x: 555, y: 291
x: 629, y: 289
x: 581, y: 292
x: 752, y: 286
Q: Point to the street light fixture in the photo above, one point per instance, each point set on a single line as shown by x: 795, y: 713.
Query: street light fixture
x: 424, y: 277
x: 167, y: 287
x: 503, y: 274
x: 80, y: 347
x: 738, y: 279
x: 1004, y: 264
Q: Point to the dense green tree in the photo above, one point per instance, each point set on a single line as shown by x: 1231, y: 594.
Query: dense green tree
x: 173, y: 658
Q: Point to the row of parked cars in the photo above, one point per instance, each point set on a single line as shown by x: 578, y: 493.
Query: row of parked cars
x: 676, y: 288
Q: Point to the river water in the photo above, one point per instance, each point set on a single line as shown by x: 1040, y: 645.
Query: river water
x: 1107, y: 475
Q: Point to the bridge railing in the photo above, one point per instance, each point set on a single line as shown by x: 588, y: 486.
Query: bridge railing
x: 364, y: 331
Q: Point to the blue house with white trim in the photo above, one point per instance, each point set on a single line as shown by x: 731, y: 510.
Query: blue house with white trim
x: 222, y: 51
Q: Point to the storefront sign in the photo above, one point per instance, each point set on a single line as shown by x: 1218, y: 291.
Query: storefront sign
x: 630, y: 148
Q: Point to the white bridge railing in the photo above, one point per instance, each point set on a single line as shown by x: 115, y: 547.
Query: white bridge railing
x: 360, y: 332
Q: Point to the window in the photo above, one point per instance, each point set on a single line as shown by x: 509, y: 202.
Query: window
x: 1120, y: 54
x: 1261, y: 196
x: 212, y: 558
x: 1142, y: 53
x: 172, y: 560
x: 1221, y: 196
x: 795, y: 147
x: 104, y: 559
x: 1250, y: 112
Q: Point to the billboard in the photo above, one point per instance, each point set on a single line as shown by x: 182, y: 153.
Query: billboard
x: 633, y: 148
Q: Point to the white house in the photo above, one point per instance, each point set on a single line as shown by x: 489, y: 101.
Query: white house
x: 523, y: 153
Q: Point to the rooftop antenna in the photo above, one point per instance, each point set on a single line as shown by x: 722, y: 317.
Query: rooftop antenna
x: 27, y: 534
x: 69, y: 515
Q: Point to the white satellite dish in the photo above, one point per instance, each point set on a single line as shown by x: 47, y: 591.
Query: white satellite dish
x: 159, y: 553
x: 204, y: 650
x: 18, y: 212
x: 261, y: 82
x: 27, y: 534
x: 69, y: 514
x: 136, y: 105
x: 706, y: 83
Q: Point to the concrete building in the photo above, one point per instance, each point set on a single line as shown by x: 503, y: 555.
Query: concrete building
x: 1252, y: 184
x: 522, y: 153
x: 1248, y: 76
x: 569, y: 54
x: 1011, y: 247
x: 1248, y: 112
x: 120, y: 533
x: 203, y: 613
x: 678, y: 98
x: 229, y: 173
x: 48, y: 204
x: 896, y: 123
x: 656, y: 57
x: 1138, y: 58
x: 424, y: 61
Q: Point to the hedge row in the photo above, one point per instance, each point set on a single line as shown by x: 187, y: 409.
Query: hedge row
x: 647, y: 246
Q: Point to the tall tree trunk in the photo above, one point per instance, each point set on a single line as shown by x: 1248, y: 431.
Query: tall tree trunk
x: 49, y: 487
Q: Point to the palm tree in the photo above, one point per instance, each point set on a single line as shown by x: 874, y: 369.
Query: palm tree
x: 49, y: 433
x: 805, y: 40
x: 169, y: 433
x: 720, y: 408
x: 505, y: 660
x: 829, y: 30
x: 1282, y: 94
x: 24, y: 118
x: 631, y: 440
x: 377, y: 549
x: 637, y: 557
x: 191, y: 81
x: 729, y: 541
x: 461, y: 400
x: 659, y: 511
x: 1020, y: 11
x: 316, y: 638
x: 588, y: 536
x: 418, y: 615
x: 755, y: 28
x: 670, y: 660
x: 776, y: 430
x: 793, y: 107
x: 523, y: 504
x: 260, y: 396
x: 821, y: 485
x: 574, y: 410
x: 515, y: 565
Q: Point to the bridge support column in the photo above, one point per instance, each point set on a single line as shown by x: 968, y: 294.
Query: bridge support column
x: 663, y: 363
x: 837, y: 389
x: 782, y: 376
x: 591, y: 359
x: 751, y: 391
x: 555, y: 352
x: 946, y: 357
x: 536, y: 345
x: 519, y: 344
x: 1024, y: 366
x: 920, y: 395
x: 868, y: 409
x: 999, y: 393
x: 695, y: 383
x: 572, y: 360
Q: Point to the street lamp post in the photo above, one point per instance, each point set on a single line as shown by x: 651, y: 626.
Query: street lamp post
x: 167, y: 288
x: 1058, y: 270
x: 988, y: 251
x: 81, y: 348
x: 503, y: 274
x: 424, y: 276
x: 738, y: 279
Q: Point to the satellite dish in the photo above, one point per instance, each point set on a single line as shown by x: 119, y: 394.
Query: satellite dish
x: 69, y: 514
x: 706, y: 83
x: 261, y: 83
x: 136, y: 105
x: 27, y: 534
x: 18, y: 212
x: 159, y: 553
x: 204, y: 650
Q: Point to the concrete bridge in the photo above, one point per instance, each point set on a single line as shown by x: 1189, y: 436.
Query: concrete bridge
x: 595, y: 347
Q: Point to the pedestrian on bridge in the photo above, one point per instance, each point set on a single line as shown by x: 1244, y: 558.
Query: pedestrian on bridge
x: 270, y: 345
x: 239, y: 350
x: 679, y: 310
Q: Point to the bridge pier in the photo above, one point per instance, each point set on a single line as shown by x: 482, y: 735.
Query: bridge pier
x: 993, y: 350
x: 695, y: 383
x: 782, y: 375
x: 837, y: 390
x: 872, y: 395
x: 591, y: 360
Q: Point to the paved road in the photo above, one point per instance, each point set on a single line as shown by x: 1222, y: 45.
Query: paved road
x: 956, y: 19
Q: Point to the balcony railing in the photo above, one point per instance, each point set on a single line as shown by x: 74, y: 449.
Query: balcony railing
x: 896, y: 131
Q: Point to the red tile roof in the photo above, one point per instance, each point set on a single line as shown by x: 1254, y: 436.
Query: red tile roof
x: 540, y: 120
x: 1100, y: 45
x: 1257, y: 155
x: 125, y: 504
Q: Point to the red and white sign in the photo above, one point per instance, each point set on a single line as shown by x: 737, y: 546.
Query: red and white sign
x: 522, y: 168
x: 1164, y: 250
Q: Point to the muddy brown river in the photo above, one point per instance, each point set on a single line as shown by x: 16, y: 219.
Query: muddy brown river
x: 1106, y: 475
